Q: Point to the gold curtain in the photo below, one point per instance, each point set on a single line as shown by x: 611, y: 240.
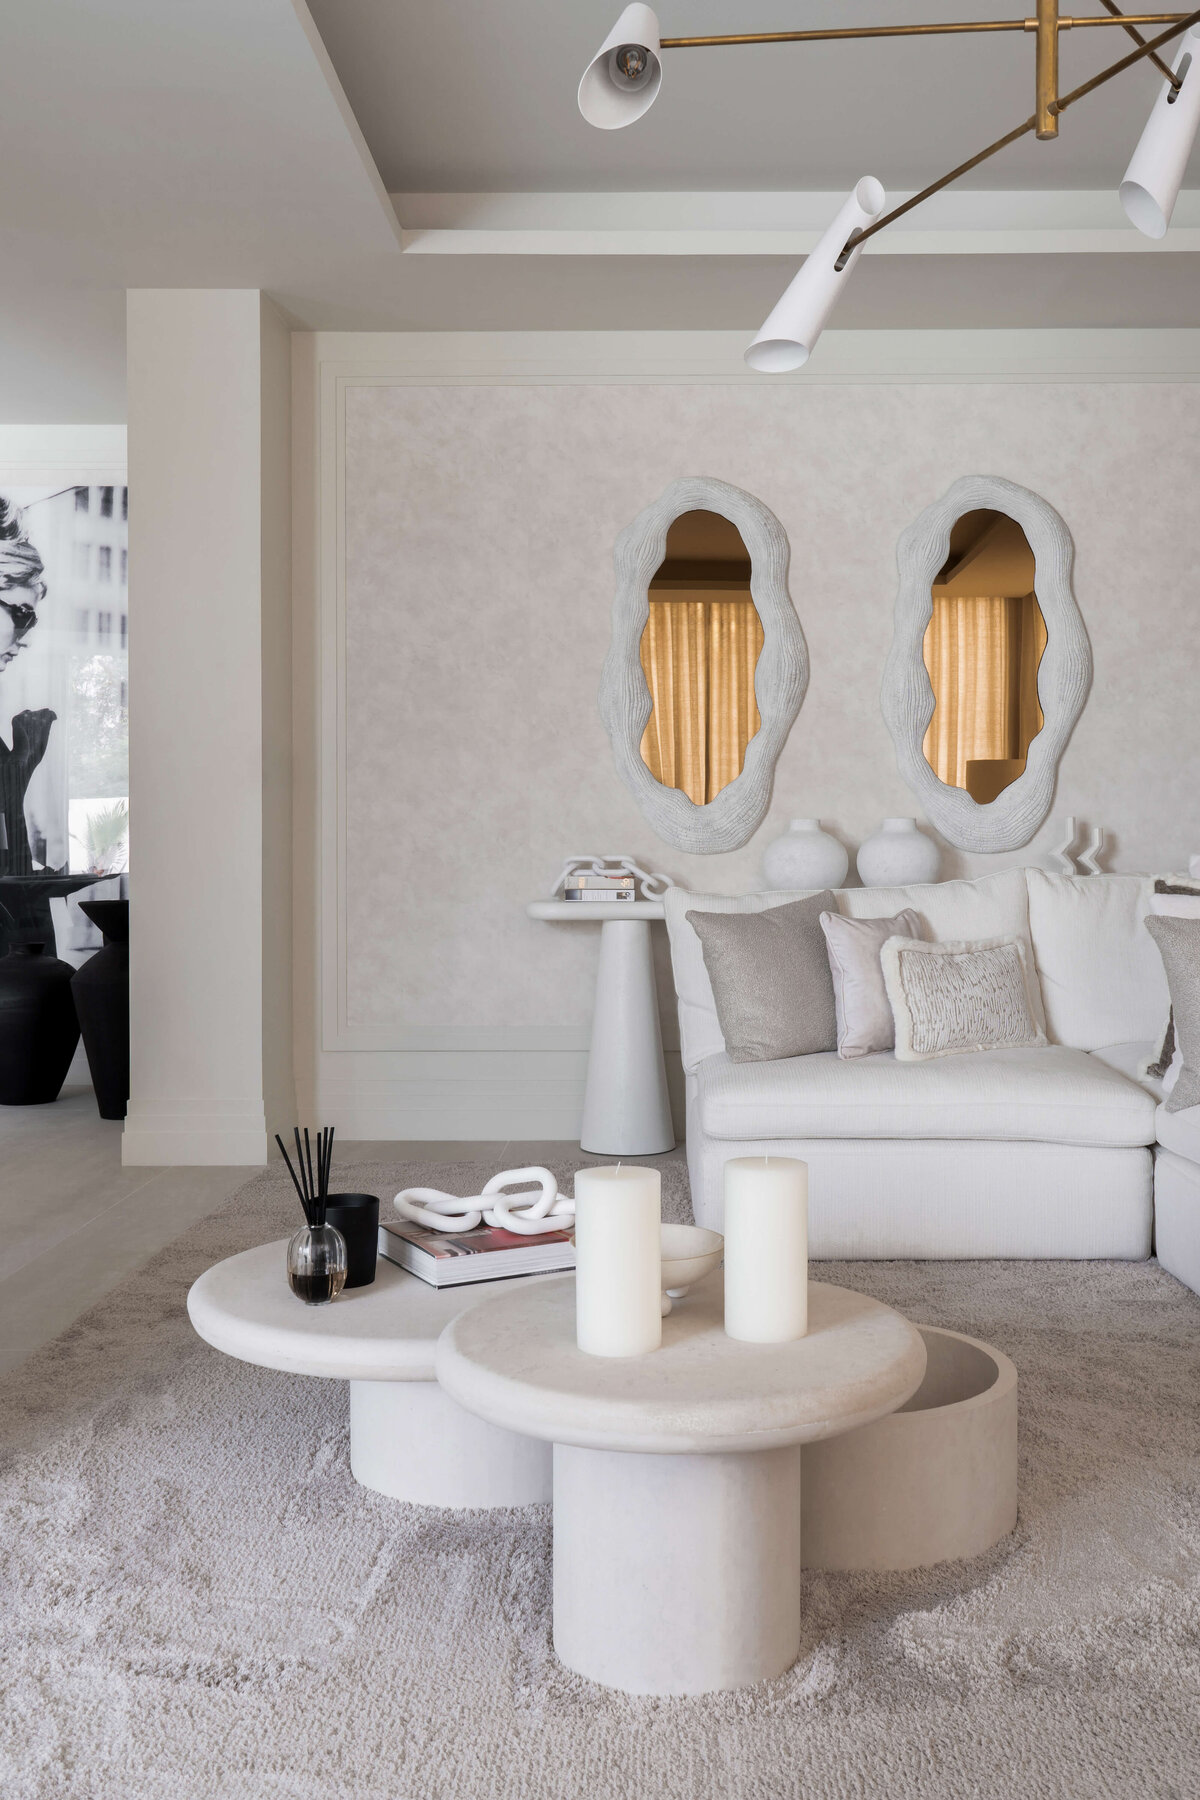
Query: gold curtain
x: 699, y: 656
x: 982, y: 653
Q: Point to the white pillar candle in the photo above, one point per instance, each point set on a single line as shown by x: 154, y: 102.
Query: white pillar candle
x: 618, y: 1261
x: 766, y: 1249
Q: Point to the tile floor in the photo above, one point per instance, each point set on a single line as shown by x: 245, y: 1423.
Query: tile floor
x: 74, y: 1223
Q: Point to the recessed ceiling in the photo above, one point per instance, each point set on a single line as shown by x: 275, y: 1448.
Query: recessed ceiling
x: 208, y: 143
x: 467, y: 95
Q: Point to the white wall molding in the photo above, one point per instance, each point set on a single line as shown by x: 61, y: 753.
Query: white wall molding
x: 640, y: 358
x: 957, y: 222
x: 396, y: 1079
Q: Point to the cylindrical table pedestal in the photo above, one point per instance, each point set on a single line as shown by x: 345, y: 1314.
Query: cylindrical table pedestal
x: 410, y: 1441
x: 676, y: 1574
x: 626, y: 1108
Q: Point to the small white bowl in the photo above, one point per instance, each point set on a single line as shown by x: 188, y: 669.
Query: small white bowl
x: 689, y: 1252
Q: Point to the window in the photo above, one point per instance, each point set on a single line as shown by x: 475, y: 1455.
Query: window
x: 106, y: 500
x: 81, y: 499
x: 124, y: 503
x: 104, y: 569
x: 83, y: 621
x: 104, y: 626
x: 124, y: 568
x: 124, y: 630
x: 81, y: 561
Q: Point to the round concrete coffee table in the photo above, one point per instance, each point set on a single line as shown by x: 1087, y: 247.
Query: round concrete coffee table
x: 677, y: 1474
x: 407, y: 1438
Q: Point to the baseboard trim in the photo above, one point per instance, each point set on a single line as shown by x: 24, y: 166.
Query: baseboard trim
x: 194, y: 1140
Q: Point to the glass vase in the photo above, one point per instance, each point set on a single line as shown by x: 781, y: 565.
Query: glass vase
x: 316, y: 1264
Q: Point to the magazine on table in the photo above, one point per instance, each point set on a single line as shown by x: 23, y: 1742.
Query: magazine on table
x: 486, y: 1253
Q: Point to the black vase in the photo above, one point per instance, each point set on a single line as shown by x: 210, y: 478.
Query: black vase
x: 38, y: 1027
x: 101, y: 992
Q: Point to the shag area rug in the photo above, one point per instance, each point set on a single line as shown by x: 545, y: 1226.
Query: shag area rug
x: 199, y: 1603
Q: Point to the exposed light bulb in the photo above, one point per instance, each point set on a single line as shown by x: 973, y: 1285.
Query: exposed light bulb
x: 623, y: 78
x: 630, y: 64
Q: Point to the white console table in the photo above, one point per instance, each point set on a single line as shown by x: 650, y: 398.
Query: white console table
x: 626, y: 1109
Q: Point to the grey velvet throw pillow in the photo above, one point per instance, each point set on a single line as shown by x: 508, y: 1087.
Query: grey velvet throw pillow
x: 1178, y: 943
x: 770, y: 978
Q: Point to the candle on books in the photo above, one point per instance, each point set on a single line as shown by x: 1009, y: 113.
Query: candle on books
x: 618, y: 1261
x: 766, y: 1249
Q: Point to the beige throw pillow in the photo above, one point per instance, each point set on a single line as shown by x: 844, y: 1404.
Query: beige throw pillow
x: 770, y: 979
x: 864, y: 1012
x: 951, y: 998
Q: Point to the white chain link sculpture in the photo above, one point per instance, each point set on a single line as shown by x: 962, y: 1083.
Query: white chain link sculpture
x: 523, y: 1213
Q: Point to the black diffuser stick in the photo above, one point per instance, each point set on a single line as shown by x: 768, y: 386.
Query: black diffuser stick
x: 308, y: 1198
x: 295, y: 1182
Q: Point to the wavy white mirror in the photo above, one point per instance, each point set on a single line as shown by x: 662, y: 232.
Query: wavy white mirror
x: 990, y: 664
x: 708, y: 666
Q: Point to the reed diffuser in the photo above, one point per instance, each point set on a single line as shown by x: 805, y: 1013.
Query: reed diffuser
x: 316, y: 1255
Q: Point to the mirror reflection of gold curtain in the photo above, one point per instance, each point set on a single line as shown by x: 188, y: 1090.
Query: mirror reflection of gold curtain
x: 699, y: 656
x: 982, y: 654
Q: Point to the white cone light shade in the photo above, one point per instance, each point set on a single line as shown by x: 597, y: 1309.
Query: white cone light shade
x: 786, y: 340
x: 607, y: 98
x: 1157, y: 167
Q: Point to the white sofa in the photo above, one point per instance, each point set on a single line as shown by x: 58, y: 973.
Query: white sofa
x: 1028, y: 1153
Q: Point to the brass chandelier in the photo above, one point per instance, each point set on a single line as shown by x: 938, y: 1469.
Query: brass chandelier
x: 623, y: 79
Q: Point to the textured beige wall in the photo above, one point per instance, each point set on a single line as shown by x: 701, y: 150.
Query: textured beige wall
x: 479, y: 532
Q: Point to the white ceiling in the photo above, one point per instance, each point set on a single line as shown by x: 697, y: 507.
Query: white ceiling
x: 463, y: 95
x: 209, y: 143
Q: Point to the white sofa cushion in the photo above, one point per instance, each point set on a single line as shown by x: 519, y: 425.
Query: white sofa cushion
x: 996, y: 906
x: 1178, y: 1131
x: 1102, y: 978
x: 1131, y: 1060
x: 1050, y: 1095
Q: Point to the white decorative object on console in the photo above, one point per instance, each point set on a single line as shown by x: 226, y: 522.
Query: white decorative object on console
x: 805, y: 857
x: 618, y: 1261
x: 1062, y: 857
x: 647, y: 886
x: 766, y: 1249
x: 1089, y: 859
x: 898, y: 855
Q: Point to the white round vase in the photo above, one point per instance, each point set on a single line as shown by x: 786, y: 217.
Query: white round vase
x: 898, y: 855
x: 805, y: 857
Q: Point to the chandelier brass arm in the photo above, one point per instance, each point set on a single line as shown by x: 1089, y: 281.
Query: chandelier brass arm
x: 1164, y: 68
x: 1031, y: 123
x: 891, y: 31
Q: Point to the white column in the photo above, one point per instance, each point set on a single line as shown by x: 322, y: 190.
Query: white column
x: 676, y: 1574
x: 210, y: 726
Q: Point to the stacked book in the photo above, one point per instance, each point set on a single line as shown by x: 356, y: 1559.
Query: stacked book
x: 590, y: 888
x: 488, y: 1253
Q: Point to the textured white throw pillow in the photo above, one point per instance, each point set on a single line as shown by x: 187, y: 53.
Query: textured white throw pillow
x: 1180, y: 900
x: 951, y: 998
x: 864, y: 1013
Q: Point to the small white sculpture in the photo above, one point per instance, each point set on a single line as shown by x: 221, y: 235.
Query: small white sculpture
x: 1089, y: 859
x: 1061, y: 860
x: 522, y: 1214
x: 650, y: 887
